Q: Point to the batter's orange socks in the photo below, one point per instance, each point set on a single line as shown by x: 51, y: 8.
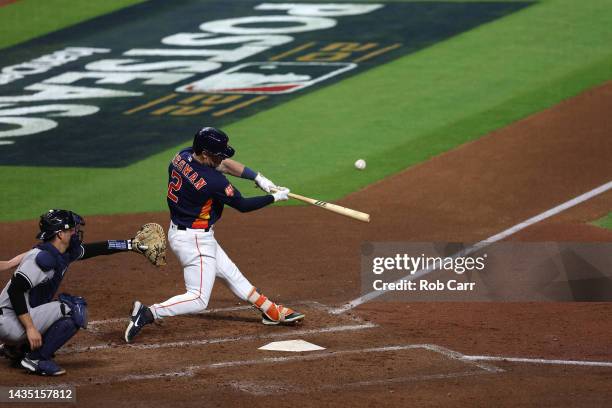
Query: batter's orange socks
x: 269, y: 308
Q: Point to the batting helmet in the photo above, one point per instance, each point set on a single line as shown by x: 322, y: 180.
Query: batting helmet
x: 212, y: 141
x: 54, y: 221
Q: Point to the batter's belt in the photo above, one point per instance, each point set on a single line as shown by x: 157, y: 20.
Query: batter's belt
x: 184, y: 228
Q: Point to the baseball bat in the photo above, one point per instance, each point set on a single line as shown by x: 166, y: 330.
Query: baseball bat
x: 347, y: 212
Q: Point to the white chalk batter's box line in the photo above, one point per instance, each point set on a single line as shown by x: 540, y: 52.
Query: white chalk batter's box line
x: 257, y: 389
x: 191, y: 371
x: 203, y: 342
x: 358, y: 324
x: 261, y: 389
x: 95, y: 324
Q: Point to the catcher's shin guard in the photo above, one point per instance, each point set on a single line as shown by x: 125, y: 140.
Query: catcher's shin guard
x: 54, y: 338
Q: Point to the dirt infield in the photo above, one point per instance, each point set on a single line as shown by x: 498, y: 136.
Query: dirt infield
x: 382, y: 353
x: 7, y: 2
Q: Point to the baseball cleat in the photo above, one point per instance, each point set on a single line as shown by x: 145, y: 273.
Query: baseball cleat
x: 287, y: 317
x: 138, y: 319
x: 42, y: 367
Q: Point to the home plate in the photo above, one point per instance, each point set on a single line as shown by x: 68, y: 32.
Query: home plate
x: 291, y: 345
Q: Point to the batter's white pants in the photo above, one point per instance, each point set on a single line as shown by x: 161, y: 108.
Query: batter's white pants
x: 203, y: 260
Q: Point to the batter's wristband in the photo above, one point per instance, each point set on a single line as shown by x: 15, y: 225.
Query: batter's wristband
x: 248, y: 173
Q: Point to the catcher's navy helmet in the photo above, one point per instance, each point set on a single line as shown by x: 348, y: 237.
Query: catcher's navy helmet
x: 54, y: 221
x: 212, y: 141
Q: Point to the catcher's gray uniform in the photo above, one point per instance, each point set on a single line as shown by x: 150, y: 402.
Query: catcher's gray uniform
x: 33, y: 287
x: 43, y: 316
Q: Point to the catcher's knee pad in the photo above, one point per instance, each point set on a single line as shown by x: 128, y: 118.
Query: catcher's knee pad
x: 78, y: 309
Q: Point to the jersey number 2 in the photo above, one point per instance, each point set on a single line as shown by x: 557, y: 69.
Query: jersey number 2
x: 174, y: 185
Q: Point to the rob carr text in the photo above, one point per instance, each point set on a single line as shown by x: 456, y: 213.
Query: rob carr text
x: 423, y: 285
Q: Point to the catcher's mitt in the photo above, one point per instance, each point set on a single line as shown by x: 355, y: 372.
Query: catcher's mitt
x: 150, y: 241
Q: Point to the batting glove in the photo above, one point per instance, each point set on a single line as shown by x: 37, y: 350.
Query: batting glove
x: 281, y: 194
x: 264, y: 183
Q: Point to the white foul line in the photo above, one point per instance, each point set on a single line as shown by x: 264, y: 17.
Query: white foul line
x: 484, y: 243
x: 455, y: 355
x: 540, y: 361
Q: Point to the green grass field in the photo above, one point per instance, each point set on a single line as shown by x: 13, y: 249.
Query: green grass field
x: 29, y: 19
x: 605, y: 222
x: 413, y: 108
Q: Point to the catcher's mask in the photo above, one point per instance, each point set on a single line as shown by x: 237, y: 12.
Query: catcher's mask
x: 212, y: 141
x: 54, y: 221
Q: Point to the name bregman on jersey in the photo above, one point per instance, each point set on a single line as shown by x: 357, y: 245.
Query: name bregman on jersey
x: 187, y: 171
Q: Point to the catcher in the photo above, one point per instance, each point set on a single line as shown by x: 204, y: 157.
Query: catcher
x: 34, y: 325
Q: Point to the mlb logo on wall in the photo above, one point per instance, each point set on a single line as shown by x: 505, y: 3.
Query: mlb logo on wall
x: 268, y: 77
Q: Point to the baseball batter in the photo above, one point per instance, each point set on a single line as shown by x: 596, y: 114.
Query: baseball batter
x: 197, y: 193
x: 33, y: 326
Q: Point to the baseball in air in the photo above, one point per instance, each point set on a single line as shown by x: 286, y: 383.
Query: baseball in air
x: 360, y: 164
